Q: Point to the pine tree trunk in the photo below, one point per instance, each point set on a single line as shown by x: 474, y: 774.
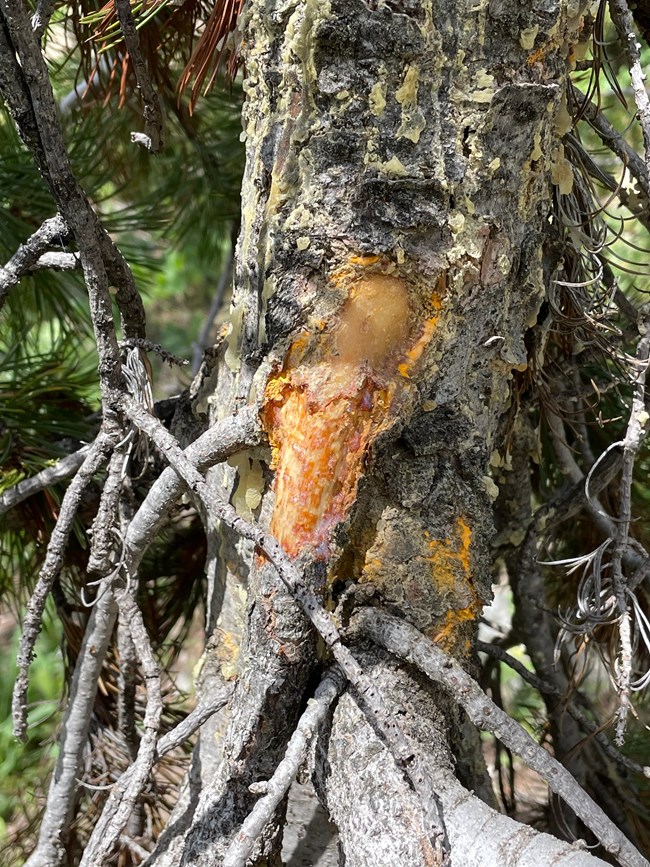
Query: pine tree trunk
x: 401, y: 158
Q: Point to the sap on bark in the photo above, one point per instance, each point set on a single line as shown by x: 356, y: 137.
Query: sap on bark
x: 342, y: 384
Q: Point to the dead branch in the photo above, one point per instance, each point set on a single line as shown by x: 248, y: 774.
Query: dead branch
x: 223, y: 439
x: 154, y: 122
x: 193, y: 721
x: 127, y: 790
x: 404, y: 641
x: 613, y: 140
x: 369, y: 697
x: 241, y: 848
x: 25, y: 86
x: 41, y: 17
x: 59, y: 807
x: 624, y: 23
x: 27, y: 256
x: 546, y: 688
x: 636, y: 432
x: 96, y: 457
x: 59, y: 471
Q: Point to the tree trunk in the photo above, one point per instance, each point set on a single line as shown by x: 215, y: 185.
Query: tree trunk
x: 400, y: 166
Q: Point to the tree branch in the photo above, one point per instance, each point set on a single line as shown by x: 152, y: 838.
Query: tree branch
x: 96, y: 457
x: 241, y: 848
x: 59, y: 471
x: 404, y: 641
x: 59, y: 807
x: 153, y: 137
x: 624, y: 23
x: 28, y: 94
x: 546, y: 688
x: 27, y: 256
x: 127, y: 790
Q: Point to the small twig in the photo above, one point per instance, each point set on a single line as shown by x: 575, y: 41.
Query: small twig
x: 28, y: 254
x: 128, y: 788
x: 636, y: 432
x: 41, y: 17
x: 546, y: 688
x: 624, y: 23
x: 222, y: 440
x: 96, y: 457
x: 193, y: 721
x: 150, y: 346
x: 241, y: 847
x: 61, y: 797
x: 59, y: 471
x: 135, y: 847
x: 407, y: 643
x: 613, y: 140
x: 370, y: 699
x: 152, y: 112
x: 215, y: 306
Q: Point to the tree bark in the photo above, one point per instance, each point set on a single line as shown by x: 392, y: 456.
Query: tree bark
x: 401, y: 158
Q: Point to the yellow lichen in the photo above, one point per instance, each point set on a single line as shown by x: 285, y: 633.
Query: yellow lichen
x: 377, y: 98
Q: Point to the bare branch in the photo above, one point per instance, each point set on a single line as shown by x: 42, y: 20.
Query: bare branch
x: 624, y: 23
x: 59, y: 471
x: 545, y: 688
x: 612, y: 139
x: 127, y: 790
x: 153, y: 137
x: 41, y: 17
x: 223, y: 439
x: 636, y: 432
x: 96, y: 457
x: 367, y: 695
x: 404, y: 641
x: 61, y: 798
x: 25, y: 86
x: 28, y: 254
x: 241, y: 848
x: 193, y: 721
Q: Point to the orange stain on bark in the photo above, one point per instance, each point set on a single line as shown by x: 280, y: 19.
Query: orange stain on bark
x: 452, y: 574
x: 333, y: 397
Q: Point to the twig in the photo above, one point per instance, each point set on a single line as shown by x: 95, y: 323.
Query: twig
x: 241, y: 848
x: 28, y: 254
x: 368, y: 696
x: 61, y: 798
x: 215, y: 306
x: 624, y: 23
x: 223, y: 439
x: 546, y: 688
x: 613, y: 140
x: 59, y: 471
x: 636, y: 432
x: 25, y: 85
x: 152, y: 139
x: 128, y: 788
x: 96, y: 457
x: 41, y: 17
x: 193, y: 721
x: 405, y: 642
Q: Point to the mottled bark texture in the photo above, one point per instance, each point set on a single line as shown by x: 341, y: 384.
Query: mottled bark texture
x: 400, y: 161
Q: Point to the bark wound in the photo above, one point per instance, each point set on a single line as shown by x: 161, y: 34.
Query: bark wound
x: 339, y: 388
